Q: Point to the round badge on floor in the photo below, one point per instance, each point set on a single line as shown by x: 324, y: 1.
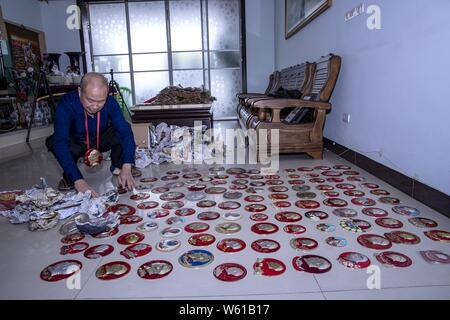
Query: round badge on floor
x: 255, y: 207
x: 240, y: 181
x: 201, y: 240
x: 278, y: 189
x: 317, y: 180
x: 160, y: 190
x: 346, y: 186
x: 402, y: 237
x: 438, y: 235
x: 259, y: 217
x: 303, y: 244
x: 167, y: 245
x: 171, y: 196
x: 147, y: 227
x: 139, y: 196
x: 345, y: 213
x: 98, y: 251
x: 235, y: 171
x: 335, y: 180
x: 206, y: 179
x: 394, y: 259
x: 112, y: 270
x: 174, y: 221
x: 172, y: 172
x: 322, y: 168
x: 435, y: 257
x: 206, y: 204
x: 341, y: 167
x: 305, y: 169
x: 147, y: 205
x: 331, y: 173
x: 61, y: 270
x: 144, y: 187
x: 354, y: 260
x: 74, y: 248
x: 232, y: 195
x: 389, y: 200
x: 306, y: 195
x: 215, y: 190
x: 106, y: 234
x: 307, y: 204
x: 136, y: 250
x: 169, y: 178
x: 232, y: 216
x: 130, y: 219
x: 219, y: 182
x: 264, y: 228
x: 351, y: 173
x: 335, y: 202
x: 324, y: 187
x: 196, y: 227
x: 423, y: 223
x: 354, y: 193
x: 238, y: 187
x: 289, y: 217
x: 231, y: 245
x: 326, y: 227
x: 265, y: 246
x: 316, y: 215
x: 175, y: 185
x: 229, y: 205
x: 349, y: 225
x: 130, y: 238
x: 148, y: 180
x: 379, y: 192
x: 122, y: 209
x: 184, y: 212
x: 294, y: 229
x: 331, y: 194
x: 375, y: 212
x: 311, y: 264
x: 158, y: 214
x: 155, y: 269
x: 268, y: 267
x: 72, y: 238
x: 296, y: 182
x: 170, y: 232
x: 196, y: 258
x: 228, y: 228
x: 274, y: 182
x: 253, y: 171
x: 281, y: 204
x: 254, y: 198
x: 338, y: 242
x: 257, y: 177
x: 406, y: 211
x: 216, y: 169
x: 370, y: 185
x: 196, y: 187
x: 208, y: 215
x: 229, y: 272
x: 373, y: 241
x: 389, y: 223
x: 272, y: 177
x: 278, y: 196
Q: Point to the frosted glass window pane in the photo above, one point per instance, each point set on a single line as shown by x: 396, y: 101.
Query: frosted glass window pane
x: 187, y: 60
x: 148, y: 62
x: 149, y: 84
x: 227, y: 59
x: 223, y: 24
x: 185, y: 25
x: 148, y: 26
x: 117, y: 63
x: 108, y: 28
x: 188, y: 78
x: 123, y: 80
x: 224, y: 86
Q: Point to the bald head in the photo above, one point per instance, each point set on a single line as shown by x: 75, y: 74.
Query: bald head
x: 93, y: 92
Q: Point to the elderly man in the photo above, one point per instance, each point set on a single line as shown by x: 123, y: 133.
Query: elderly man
x: 89, y: 122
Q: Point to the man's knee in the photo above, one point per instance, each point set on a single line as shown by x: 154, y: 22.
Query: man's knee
x: 49, y: 143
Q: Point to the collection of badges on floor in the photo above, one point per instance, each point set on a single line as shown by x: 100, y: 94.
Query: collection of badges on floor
x: 248, y: 185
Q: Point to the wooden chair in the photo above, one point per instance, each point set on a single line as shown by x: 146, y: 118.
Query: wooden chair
x: 304, y: 137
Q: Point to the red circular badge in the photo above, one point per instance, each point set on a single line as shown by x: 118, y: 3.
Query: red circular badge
x: 171, y: 196
x: 316, y: 215
x: 147, y: 205
x: 229, y: 272
x: 269, y: 267
x: 394, y: 259
x: 185, y: 212
x: 72, y: 238
x: 99, y: 251
x: 264, y: 228
x: 254, y: 198
x: 159, y: 213
x: 423, y: 222
x: 208, y: 215
x: 265, y: 246
x: 215, y: 190
x: 155, y: 269
x: 402, y: 237
x: 61, y: 270
x: 130, y: 238
x: 354, y: 260
x: 375, y: 212
x: 259, y: 217
x: 122, y: 209
x: 196, y: 227
x: 206, y: 204
x: 112, y: 270
x: 438, y: 235
x: 130, y: 219
x: 255, y: 207
x: 335, y: 202
x: 366, y: 202
x: 74, y: 248
x: 201, y: 240
x: 231, y: 245
x: 354, y: 193
x: 136, y: 250
x: 373, y: 241
x: 139, y: 196
x: 346, y: 186
x: 307, y: 204
x: 294, y: 229
x: 389, y: 223
x: 286, y: 216
x: 311, y: 264
x: 304, y: 244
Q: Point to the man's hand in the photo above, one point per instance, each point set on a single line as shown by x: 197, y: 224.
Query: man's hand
x: 82, y: 186
x: 125, y: 177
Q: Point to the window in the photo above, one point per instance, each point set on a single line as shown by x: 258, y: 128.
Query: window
x: 154, y: 44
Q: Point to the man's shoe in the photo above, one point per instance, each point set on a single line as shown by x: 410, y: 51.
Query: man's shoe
x: 116, y: 172
x: 64, y: 185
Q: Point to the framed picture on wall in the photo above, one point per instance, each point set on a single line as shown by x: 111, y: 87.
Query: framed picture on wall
x: 298, y: 13
x: 25, y: 46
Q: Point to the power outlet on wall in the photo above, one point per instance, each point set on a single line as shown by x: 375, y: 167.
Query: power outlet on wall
x: 346, y: 117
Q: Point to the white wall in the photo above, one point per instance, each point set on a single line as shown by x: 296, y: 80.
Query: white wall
x: 260, y: 29
x: 24, y: 12
x: 58, y: 37
x: 393, y: 82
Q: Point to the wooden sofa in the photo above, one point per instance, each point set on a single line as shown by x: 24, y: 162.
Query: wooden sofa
x: 316, y: 82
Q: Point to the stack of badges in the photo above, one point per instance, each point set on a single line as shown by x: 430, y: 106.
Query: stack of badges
x: 389, y: 223
x: 196, y: 227
x: 288, y: 216
x: 264, y: 228
x: 354, y: 260
x: 265, y: 246
x: 311, y: 264
x: 61, y: 270
x: 423, y: 223
x: 336, y: 242
x: 155, y: 269
x: 393, y: 259
x: 402, y: 237
x: 229, y: 272
x: 201, y: 240
x: 136, y: 250
x: 435, y: 257
x: 373, y: 241
x: 98, y: 251
x: 196, y: 258
x: 268, y: 267
x: 303, y: 244
x: 74, y: 248
x: 130, y: 238
x: 112, y: 270
x: 231, y: 245
x: 167, y: 245
x: 228, y: 228
x: 438, y: 235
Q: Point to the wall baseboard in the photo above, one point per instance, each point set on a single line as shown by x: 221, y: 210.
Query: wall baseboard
x: 432, y: 198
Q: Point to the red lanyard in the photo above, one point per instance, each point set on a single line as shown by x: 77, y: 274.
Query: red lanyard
x: 87, y: 130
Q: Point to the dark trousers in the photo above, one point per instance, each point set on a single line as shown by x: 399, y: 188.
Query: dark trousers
x: 108, y: 141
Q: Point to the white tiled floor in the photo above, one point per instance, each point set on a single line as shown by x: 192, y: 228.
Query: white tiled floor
x: 24, y: 254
